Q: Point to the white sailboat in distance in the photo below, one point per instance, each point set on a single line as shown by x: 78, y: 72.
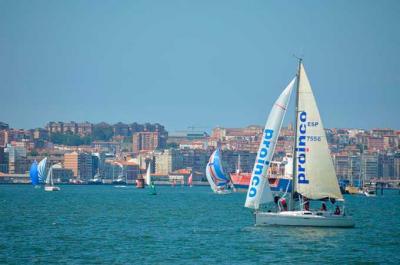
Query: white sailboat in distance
x: 49, y: 186
x: 314, y: 177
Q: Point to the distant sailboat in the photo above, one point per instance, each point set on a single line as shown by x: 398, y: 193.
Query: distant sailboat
x: 314, y: 176
x: 219, y: 182
x: 34, y: 174
x: 150, y: 184
x: 190, y: 180
x: 96, y: 180
x: 49, y: 186
x: 121, y: 180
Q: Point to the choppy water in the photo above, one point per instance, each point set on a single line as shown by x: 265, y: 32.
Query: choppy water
x: 181, y: 225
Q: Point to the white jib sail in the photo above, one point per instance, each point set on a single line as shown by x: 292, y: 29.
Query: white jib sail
x: 315, y: 174
x: 49, y: 179
x: 259, y: 191
x: 148, y: 176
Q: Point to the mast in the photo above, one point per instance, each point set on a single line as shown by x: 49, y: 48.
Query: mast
x: 296, y: 112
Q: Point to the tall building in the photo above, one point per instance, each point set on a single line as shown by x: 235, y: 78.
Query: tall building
x: 3, y: 161
x: 17, y: 160
x: 355, y: 168
x: 342, y: 165
x: 375, y: 143
x: 71, y: 162
x: 396, y: 166
x: 70, y: 127
x: 386, y: 166
x: 55, y: 127
x: 121, y: 129
x: 369, y: 166
x: 3, y: 138
x: 85, y: 128
x: 168, y: 161
x: 148, y: 141
x: 80, y: 164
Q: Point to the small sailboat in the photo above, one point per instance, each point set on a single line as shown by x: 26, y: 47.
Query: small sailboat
x: 49, y: 185
x: 150, y: 184
x: 34, y: 174
x: 314, y: 177
x: 219, y: 182
x: 190, y: 180
x: 96, y: 180
x: 121, y: 181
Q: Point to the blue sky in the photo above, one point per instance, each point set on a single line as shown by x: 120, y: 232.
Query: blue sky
x: 196, y: 63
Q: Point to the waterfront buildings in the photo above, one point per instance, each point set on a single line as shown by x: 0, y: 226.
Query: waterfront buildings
x: 81, y: 165
x: 357, y: 153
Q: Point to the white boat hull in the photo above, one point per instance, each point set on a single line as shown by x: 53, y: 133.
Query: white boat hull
x: 369, y: 194
x: 51, y: 188
x: 303, y: 218
x: 223, y: 192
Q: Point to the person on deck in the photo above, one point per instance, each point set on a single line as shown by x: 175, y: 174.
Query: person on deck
x: 337, y: 210
x: 306, y: 204
x: 283, y: 204
x: 323, y: 207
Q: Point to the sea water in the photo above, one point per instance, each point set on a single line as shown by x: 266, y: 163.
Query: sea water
x: 181, y: 225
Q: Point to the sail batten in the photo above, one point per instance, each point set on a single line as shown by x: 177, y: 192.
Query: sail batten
x: 259, y: 191
x: 315, y: 173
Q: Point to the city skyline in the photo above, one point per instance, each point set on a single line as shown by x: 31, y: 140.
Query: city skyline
x: 202, y: 64
x: 187, y: 128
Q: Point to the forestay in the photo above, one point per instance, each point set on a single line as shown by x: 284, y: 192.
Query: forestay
x: 259, y: 191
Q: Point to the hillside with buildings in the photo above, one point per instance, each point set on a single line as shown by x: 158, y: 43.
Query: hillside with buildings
x: 86, y: 149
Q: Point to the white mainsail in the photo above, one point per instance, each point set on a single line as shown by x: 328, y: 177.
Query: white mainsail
x: 49, y: 179
x: 259, y: 191
x: 148, y: 176
x: 315, y: 174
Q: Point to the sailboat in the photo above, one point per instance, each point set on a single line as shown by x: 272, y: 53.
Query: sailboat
x: 314, y: 176
x: 49, y: 185
x: 34, y: 174
x: 219, y: 182
x: 190, y: 180
x: 121, y: 180
x: 149, y: 183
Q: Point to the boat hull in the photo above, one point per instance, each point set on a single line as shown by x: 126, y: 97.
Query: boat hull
x: 51, y: 188
x: 303, y: 218
x: 222, y: 192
